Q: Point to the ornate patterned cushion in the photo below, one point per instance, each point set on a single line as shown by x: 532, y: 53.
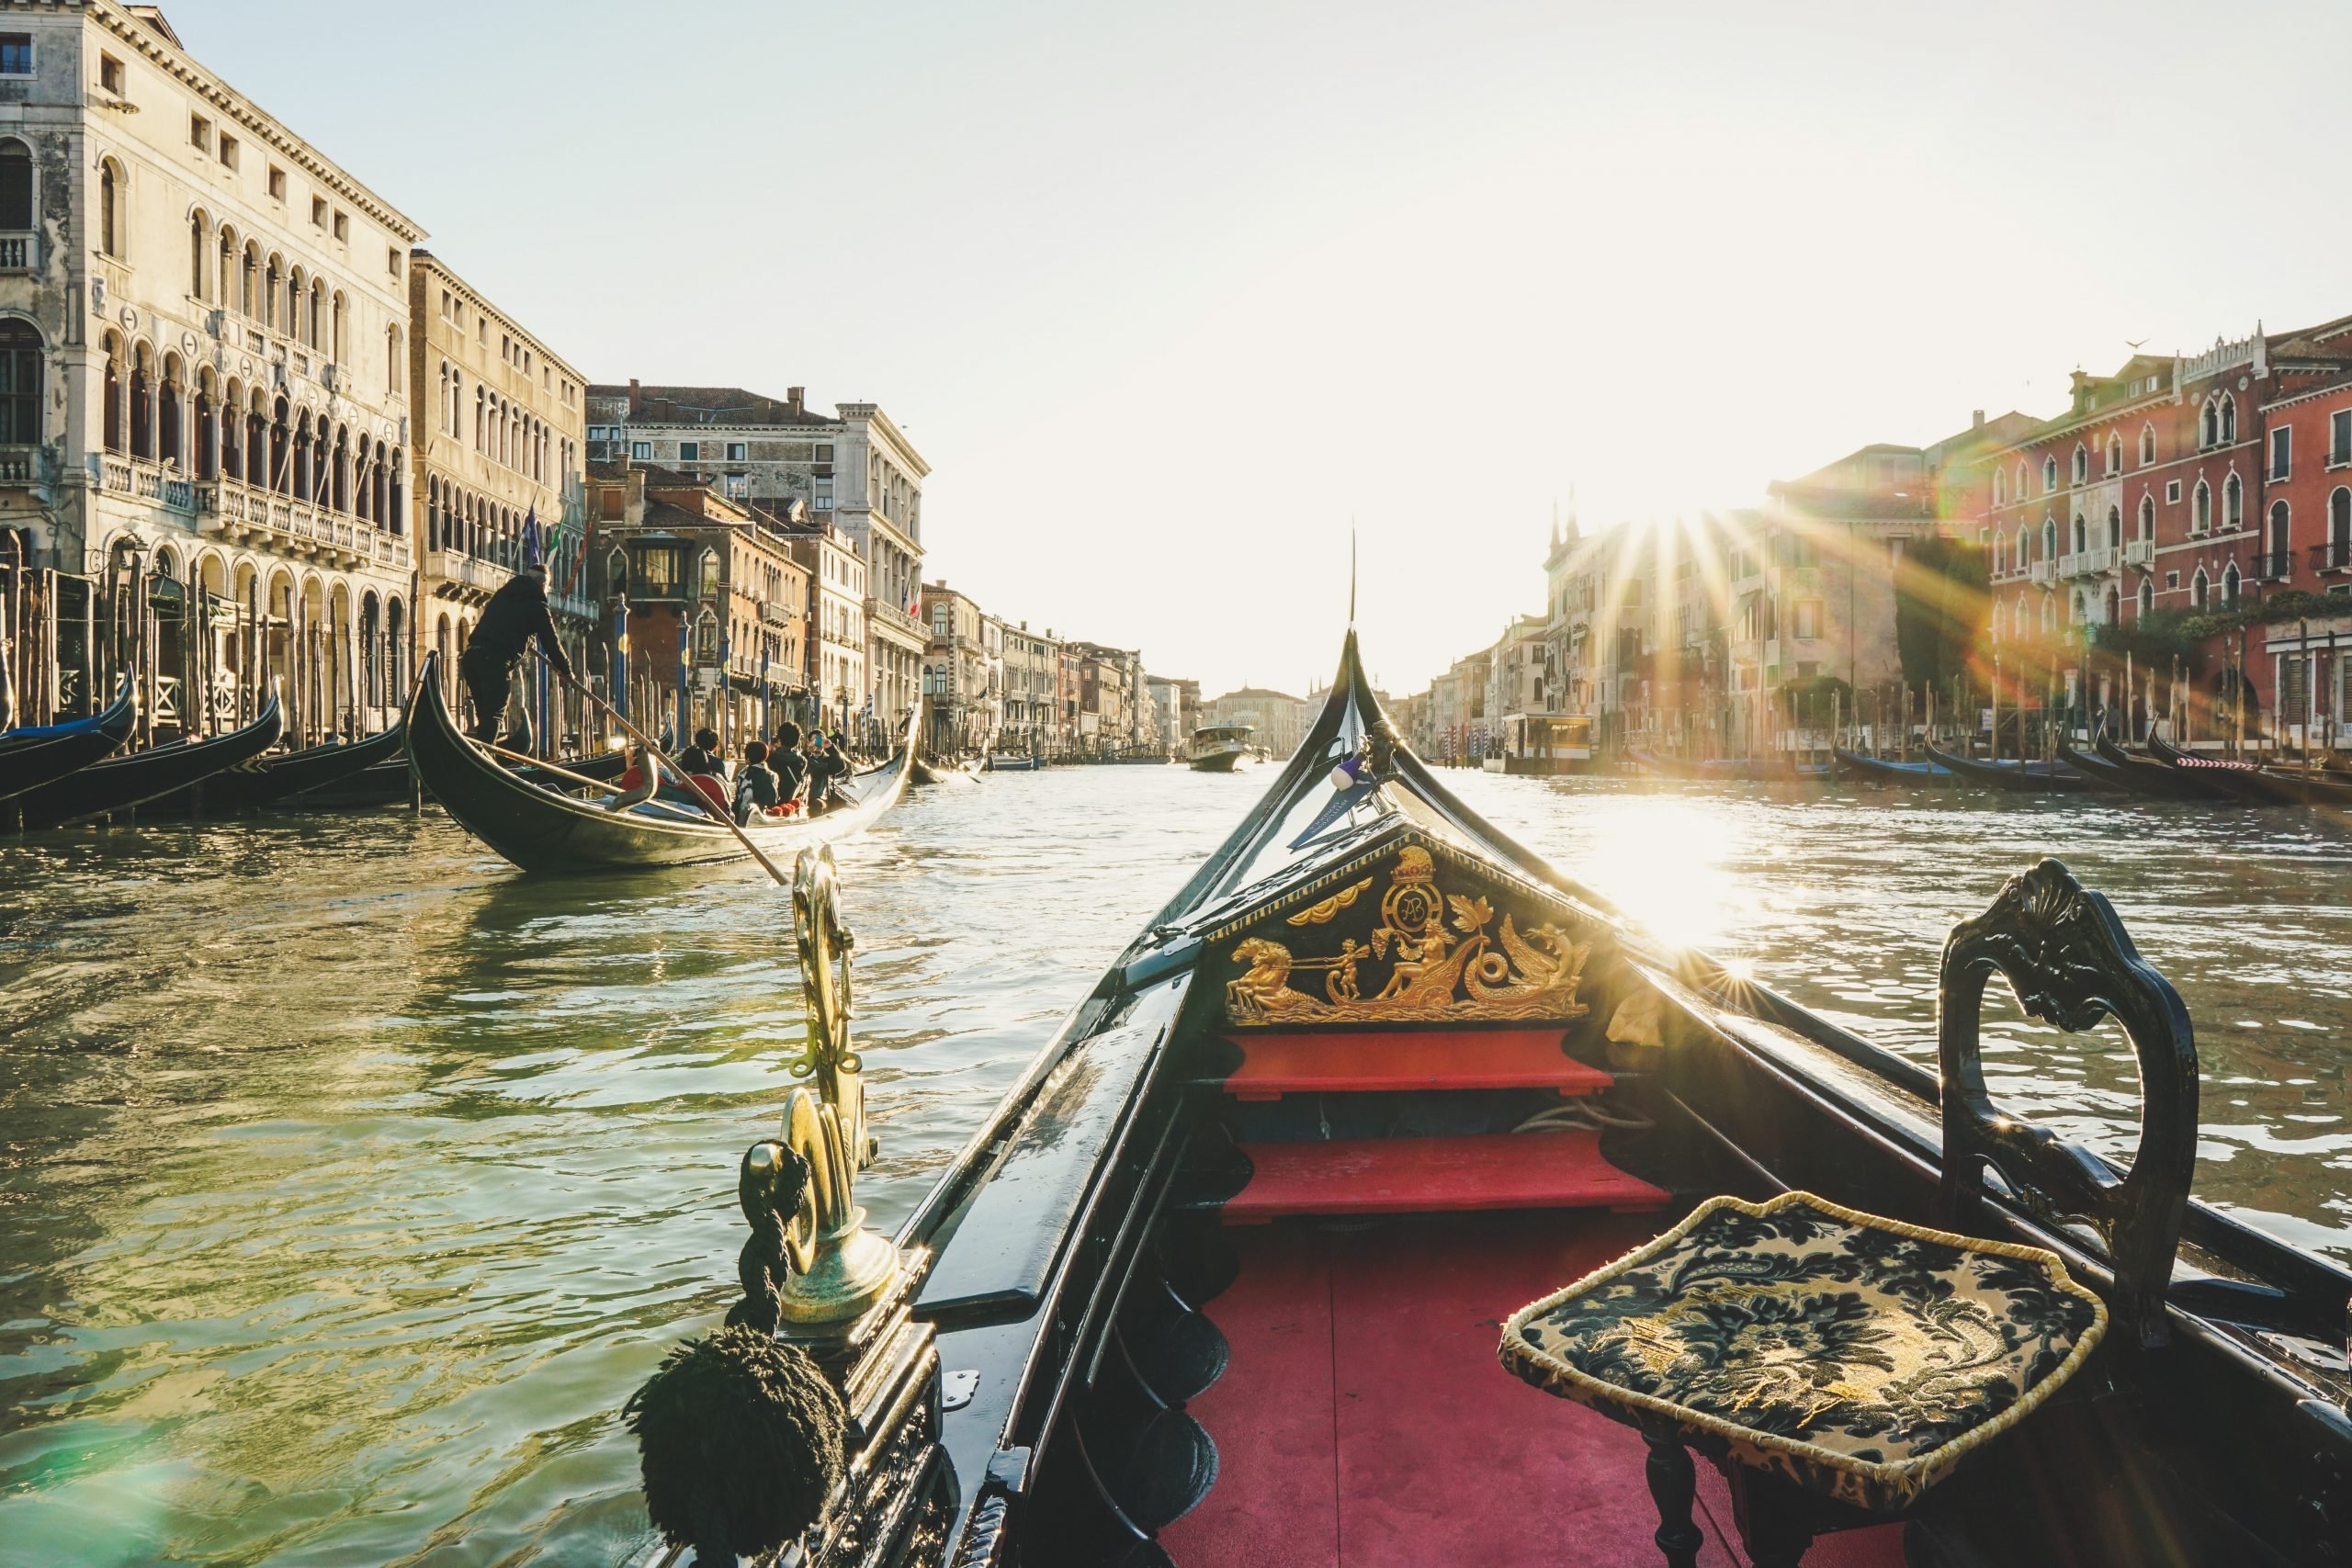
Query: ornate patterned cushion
x: 1855, y: 1354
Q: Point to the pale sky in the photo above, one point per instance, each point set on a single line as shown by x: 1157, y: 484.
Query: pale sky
x: 1168, y: 294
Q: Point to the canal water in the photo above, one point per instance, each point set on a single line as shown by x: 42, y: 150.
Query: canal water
x: 352, y: 1181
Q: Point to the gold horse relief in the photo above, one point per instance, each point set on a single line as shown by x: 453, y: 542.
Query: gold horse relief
x: 1443, y: 960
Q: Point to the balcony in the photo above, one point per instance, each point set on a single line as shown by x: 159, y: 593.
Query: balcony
x: 883, y: 615
x: 2334, y: 556
x: 777, y: 612
x: 145, y: 480
x: 2140, y: 552
x: 19, y: 251
x: 2095, y: 562
x: 2044, y: 573
x: 2269, y: 566
x: 454, y: 574
x: 284, y: 524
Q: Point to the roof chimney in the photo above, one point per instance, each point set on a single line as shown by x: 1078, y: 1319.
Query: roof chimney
x: 634, y: 398
x: 1977, y: 419
x: 793, y: 396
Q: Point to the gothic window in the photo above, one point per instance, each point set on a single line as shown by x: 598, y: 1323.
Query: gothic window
x: 2049, y: 539
x: 110, y: 208
x: 2000, y: 489
x: 20, y: 384
x: 2279, y: 516
x: 338, y: 345
x: 2114, y: 529
x: 2082, y: 463
x: 2200, y: 510
x: 2082, y: 539
x: 2147, y: 445
x: 2147, y: 596
x: 2114, y: 453
x: 2339, y: 522
x: 2209, y: 431
x: 196, y: 246
x: 2196, y: 590
x: 2233, y: 503
x: 2147, y: 517
x: 2024, y: 556
x: 707, y: 573
x: 2229, y: 419
x: 2230, y: 585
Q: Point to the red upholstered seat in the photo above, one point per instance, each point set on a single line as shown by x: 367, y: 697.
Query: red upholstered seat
x: 1416, y: 1176
x: 1276, y: 1065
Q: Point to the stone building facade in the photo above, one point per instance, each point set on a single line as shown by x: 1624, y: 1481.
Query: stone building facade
x: 203, y: 322
x: 702, y: 605
x: 956, y: 671
x: 499, y: 441
x: 1031, y: 669
x: 853, y: 468
x: 836, y: 675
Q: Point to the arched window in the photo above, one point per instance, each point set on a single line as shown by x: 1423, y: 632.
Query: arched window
x: 2147, y: 445
x: 2339, y: 527
x: 273, y: 273
x: 2198, y: 589
x: 706, y: 639
x: 110, y: 223
x: 2200, y: 510
x: 317, y: 335
x: 707, y: 574
x: 2279, y: 516
x: 2024, y: 557
x: 2210, y: 430
x: 2147, y: 517
x: 15, y: 185
x: 339, y: 345
x: 2147, y: 596
x: 2114, y: 529
x: 2022, y: 479
x: 2114, y: 453
x: 2049, y: 613
x: 198, y: 243
x: 2081, y: 535
x: 2048, y: 538
x: 2082, y: 463
x: 2049, y: 475
x: 20, y: 384
x: 224, y: 269
x: 2000, y: 489
x: 2233, y: 503
x: 2017, y: 617
x: 2114, y: 616
x: 2229, y: 418
x: 249, y: 283
x: 1999, y: 552
x: 2230, y: 585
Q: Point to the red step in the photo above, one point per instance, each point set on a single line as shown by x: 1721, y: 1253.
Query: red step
x: 1277, y: 1064
x: 1420, y: 1176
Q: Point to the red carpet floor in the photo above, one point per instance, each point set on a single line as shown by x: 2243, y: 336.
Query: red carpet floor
x: 1364, y: 1422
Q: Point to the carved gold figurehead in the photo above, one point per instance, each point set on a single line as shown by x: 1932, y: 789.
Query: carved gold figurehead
x: 1444, y: 959
x: 840, y: 1268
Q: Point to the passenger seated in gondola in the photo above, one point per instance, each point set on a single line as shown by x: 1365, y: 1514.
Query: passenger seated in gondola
x: 704, y: 770
x: 790, y: 766
x: 827, y: 767
x: 756, y: 792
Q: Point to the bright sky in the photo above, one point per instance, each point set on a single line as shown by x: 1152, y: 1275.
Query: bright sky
x: 1168, y: 294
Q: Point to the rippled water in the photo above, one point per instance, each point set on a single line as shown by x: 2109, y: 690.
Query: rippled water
x: 351, y: 1181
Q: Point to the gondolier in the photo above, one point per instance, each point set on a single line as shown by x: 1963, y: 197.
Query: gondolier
x: 516, y: 613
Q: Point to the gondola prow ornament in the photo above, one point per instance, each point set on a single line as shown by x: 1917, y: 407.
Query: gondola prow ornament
x: 747, y: 1437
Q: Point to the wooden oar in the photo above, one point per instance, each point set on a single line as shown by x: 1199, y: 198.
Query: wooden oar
x: 645, y: 740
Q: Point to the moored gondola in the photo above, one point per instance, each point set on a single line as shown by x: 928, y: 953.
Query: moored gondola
x: 1223, y: 1280
x: 272, y: 779
x: 2252, y: 782
x: 2147, y: 776
x: 542, y: 830
x: 122, y: 784
x: 2016, y: 778
x: 32, y: 757
x: 1929, y: 774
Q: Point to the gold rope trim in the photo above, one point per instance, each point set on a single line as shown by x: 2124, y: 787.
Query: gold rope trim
x: 1494, y: 870
x: 1898, y: 1476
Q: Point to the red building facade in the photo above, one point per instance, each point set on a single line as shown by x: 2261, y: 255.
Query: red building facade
x: 2183, y: 483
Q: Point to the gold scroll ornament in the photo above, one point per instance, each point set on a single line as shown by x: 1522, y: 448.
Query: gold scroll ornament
x: 1439, y: 969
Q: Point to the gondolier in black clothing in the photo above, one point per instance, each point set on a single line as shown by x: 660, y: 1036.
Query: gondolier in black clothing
x: 515, y: 614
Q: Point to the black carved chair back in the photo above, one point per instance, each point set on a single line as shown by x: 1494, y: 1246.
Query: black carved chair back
x: 2069, y: 963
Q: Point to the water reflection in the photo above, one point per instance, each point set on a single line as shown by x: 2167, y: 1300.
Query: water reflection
x: 350, y: 1182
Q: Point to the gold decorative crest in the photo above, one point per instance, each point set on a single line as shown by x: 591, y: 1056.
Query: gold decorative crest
x: 1435, y: 974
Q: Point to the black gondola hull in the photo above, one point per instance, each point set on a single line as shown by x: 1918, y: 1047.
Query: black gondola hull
x: 123, y: 783
x: 28, y: 760
x: 541, y: 830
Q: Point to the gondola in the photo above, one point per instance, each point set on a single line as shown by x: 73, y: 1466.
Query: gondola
x: 1737, y: 769
x: 271, y: 779
x: 31, y: 758
x: 541, y: 830
x: 2146, y: 775
x: 122, y: 784
x: 1932, y: 775
x: 2016, y: 778
x: 1281, y: 1248
x: 2103, y: 775
x: 2257, y: 784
